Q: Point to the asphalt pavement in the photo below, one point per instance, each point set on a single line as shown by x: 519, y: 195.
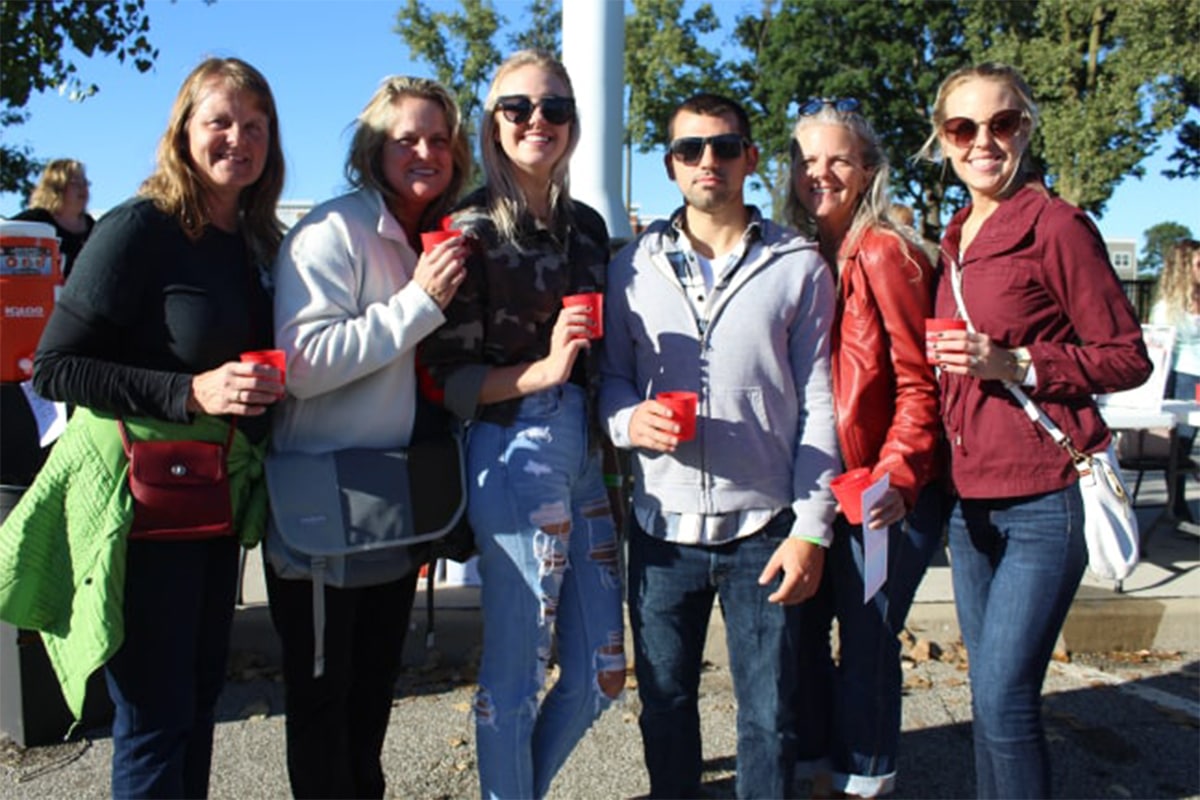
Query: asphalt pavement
x: 1122, y: 700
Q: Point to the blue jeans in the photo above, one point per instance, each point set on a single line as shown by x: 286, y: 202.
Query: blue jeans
x: 549, y: 571
x: 849, y: 716
x: 165, y: 679
x: 1016, y: 564
x: 671, y: 593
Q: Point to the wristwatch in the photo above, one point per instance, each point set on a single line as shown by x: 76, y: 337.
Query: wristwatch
x: 1020, y: 365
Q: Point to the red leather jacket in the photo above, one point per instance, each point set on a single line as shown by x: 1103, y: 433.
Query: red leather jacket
x: 885, y: 395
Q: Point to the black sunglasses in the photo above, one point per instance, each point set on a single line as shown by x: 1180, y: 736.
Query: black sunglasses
x: 813, y: 105
x: 725, y: 146
x: 518, y: 108
x: 1002, y: 125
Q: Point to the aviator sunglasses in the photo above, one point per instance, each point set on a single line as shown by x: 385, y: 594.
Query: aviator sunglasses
x: 1002, y: 125
x: 725, y: 146
x: 813, y: 105
x: 518, y: 108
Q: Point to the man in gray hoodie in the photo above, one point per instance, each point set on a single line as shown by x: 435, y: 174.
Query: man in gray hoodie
x: 721, y: 302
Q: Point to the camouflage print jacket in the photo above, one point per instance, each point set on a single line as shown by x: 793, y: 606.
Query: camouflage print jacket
x: 505, y: 309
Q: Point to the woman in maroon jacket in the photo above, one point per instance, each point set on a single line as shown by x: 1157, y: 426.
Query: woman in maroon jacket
x: 885, y: 398
x: 1048, y: 313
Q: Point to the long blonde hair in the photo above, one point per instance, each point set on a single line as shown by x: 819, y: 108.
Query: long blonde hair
x: 1177, y: 289
x: 364, y: 162
x: 506, y: 200
x: 177, y: 189
x: 873, y: 211
x: 51, y: 188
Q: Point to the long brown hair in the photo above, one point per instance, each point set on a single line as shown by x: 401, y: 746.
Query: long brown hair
x: 177, y: 189
x: 51, y: 187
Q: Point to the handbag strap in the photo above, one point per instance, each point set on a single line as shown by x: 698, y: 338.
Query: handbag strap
x: 1031, y: 409
x: 127, y: 446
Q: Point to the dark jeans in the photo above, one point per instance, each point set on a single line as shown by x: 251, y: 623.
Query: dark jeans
x: 336, y: 723
x: 671, y: 593
x: 1016, y: 564
x: 165, y: 679
x: 851, y: 714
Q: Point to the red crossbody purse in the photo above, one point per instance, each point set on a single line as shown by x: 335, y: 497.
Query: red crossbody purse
x: 180, y: 488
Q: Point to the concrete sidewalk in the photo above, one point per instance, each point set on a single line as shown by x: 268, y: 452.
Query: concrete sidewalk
x: 1157, y: 608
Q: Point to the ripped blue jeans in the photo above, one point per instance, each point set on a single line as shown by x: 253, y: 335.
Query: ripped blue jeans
x: 550, y: 577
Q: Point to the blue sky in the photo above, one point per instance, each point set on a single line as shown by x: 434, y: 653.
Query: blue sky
x: 324, y: 59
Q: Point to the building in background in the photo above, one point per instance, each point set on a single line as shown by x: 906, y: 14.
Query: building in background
x: 1122, y: 253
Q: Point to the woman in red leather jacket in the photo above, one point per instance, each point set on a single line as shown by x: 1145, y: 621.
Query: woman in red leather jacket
x: 885, y: 398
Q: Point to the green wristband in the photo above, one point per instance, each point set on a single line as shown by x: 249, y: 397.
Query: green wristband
x: 817, y: 540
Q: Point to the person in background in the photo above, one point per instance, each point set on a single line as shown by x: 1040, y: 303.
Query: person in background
x: 719, y: 301
x: 1178, y: 304
x: 904, y: 220
x: 354, y: 295
x: 885, y: 401
x: 167, y: 294
x: 520, y: 367
x: 61, y: 198
x: 1046, y: 312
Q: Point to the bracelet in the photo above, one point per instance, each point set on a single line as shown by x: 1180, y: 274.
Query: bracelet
x: 1020, y: 363
x: 817, y: 540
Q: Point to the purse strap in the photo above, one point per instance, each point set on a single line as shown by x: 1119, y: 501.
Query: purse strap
x: 1031, y: 409
x: 127, y: 446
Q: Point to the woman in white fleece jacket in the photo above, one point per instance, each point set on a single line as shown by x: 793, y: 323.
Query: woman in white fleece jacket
x: 354, y: 295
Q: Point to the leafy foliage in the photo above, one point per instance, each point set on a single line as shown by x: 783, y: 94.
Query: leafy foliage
x: 1158, y: 241
x: 1109, y: 77
x: 1106, y: 79
x: 35, y: 56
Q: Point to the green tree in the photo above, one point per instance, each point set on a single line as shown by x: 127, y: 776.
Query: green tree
x: 35, y: 57
x: 460, y: 45
x: 890, y: 54
x: 1107, y: 78
x: 1158, y: 241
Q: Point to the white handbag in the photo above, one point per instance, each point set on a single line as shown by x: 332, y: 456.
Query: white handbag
x: 1110, y: 525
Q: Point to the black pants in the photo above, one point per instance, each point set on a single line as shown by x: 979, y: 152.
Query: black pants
x: 336, y: 723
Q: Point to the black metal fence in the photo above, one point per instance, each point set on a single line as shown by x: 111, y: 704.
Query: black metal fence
x: 1141, y: 295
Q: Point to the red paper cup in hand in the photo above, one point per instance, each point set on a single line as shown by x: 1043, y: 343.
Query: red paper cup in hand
x: 934, y: 326
x: 431, y: 239
x: 848, y: 488
x: 594, y: 302
x: 274, y: 358
x: 683, y: 412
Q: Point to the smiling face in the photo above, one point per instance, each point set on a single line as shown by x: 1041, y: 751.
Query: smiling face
x: 228, y: 137
x: 535, y: 146
x: 710, y: 183
x: 988, y: 165
x: 418, y: 163
x: 832, y: 180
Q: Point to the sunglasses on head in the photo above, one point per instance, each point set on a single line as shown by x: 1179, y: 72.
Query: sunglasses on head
x: 1002, y: 125
x: 813, y: 105
x: 518, y: 108
x: 725, y: 146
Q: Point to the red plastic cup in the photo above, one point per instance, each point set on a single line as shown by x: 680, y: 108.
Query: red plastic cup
x: 936, y: 325
x: 594, y: 301
x: 274, y: 358
x: 683, y: 411
x: 848, y: 488
x: 431, y: 239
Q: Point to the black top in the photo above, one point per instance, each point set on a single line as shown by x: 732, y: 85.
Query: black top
x: 69, y: 242
x: 146, y: 310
